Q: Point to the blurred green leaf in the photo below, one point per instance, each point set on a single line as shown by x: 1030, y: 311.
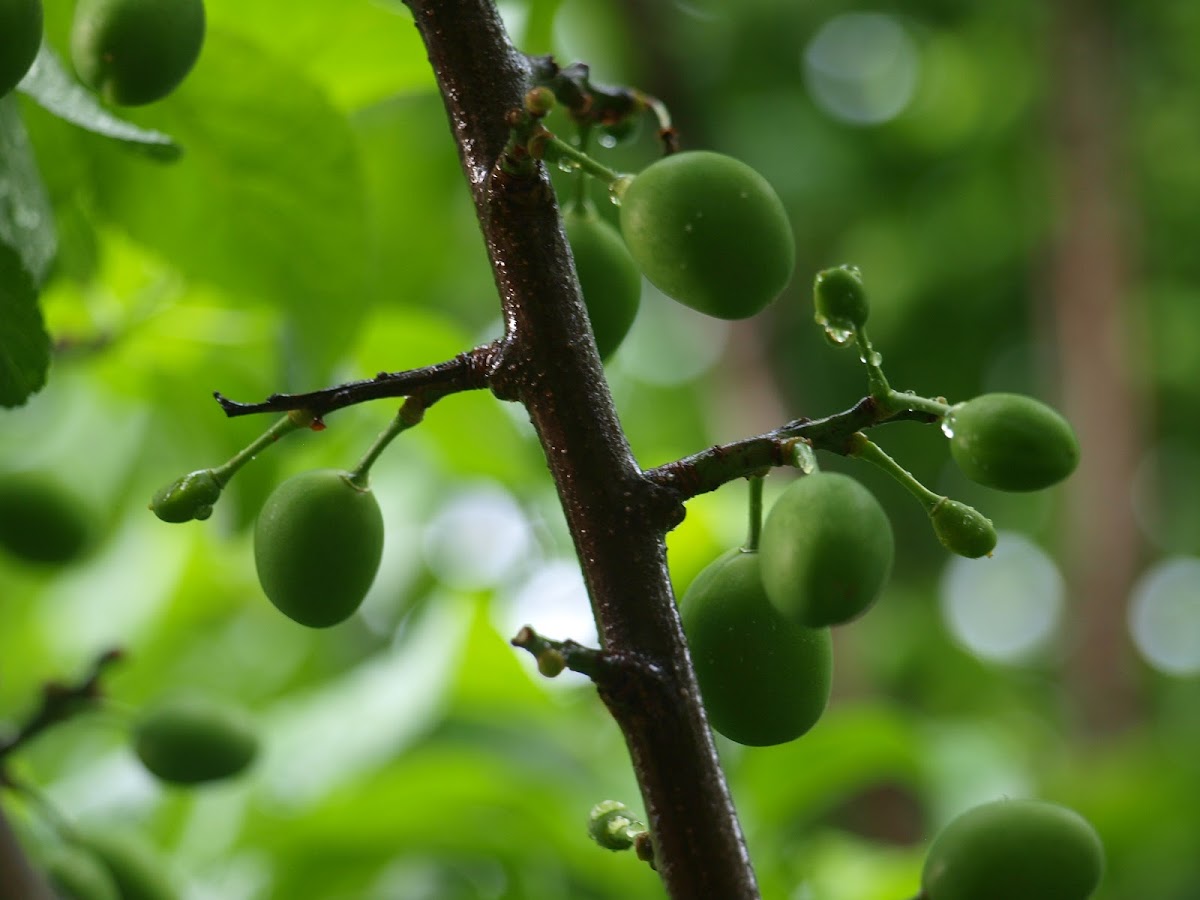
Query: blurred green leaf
x: 268, y: 202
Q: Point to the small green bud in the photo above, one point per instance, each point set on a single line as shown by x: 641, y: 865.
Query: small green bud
x: 550, y: 662
x: 840, y: 301
x: 539, y: 101
x: 187, y: 498
x: 609, y: 825
x: 962, y: 529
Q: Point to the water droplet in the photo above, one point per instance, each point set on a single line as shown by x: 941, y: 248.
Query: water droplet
x: 607, y: 141
x: 836, y: 332
x: 948, y: 426
x: 804, y: 457
x: 874, y: 358
x: 567, y: 165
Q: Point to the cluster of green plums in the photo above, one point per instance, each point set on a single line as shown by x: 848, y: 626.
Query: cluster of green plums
x: 757, y: 621
x: 705, y: 229
x: 1009, y: 849
x: 130, y: 52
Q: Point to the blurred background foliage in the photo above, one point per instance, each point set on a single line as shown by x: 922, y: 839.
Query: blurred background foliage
x: 1018, y: 183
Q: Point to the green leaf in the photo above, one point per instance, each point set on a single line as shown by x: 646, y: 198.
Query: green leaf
x: 49, y: 84
x: 357, y: 53
x: 26, y: 219
x: 268, y: 202
x: 24, y: 344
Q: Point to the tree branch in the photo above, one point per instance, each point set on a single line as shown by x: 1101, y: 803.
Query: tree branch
x: 466, y: 372
x: 616, y: 515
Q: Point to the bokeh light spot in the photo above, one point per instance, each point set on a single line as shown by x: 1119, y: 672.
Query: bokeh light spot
x: 477, y: 537
x: 1003, y: 608
x: 861, y: 68
x: 1164, y: 616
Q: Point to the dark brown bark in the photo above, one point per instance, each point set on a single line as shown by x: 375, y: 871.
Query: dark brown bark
x: 18, y: 879
x: 617, y: 516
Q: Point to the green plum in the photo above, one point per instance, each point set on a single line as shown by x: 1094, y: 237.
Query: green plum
x: 708, y: 231
x: 763, y: 678
x: 318, y: 543
x: 827, y: 549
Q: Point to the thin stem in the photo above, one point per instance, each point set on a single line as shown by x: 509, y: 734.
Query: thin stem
x: 579, y: 196
x: 410, y: 414
x: 901, y: 401
x: 873, y: 453
x: 286, y: 425
x: 877, y: 383
x: 755, y: 508
x: 555, y: 149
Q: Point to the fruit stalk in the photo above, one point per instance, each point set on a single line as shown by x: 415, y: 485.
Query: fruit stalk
x: 617, y: 516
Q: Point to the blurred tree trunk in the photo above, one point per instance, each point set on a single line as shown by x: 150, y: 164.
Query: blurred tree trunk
x: 1090, y: 280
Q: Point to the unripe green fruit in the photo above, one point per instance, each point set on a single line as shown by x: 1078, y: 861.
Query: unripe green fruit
x: 839, y: 300
x: 40, y: 521
x: 963, y: 529
x: 189, y: 497
x: 1011, y: 442
x: 136, y: 51
x: 133, y: 865
x: 76, y: 874
x: 827, y: 549
x: 608, y: 277
x: 193, y: 740
x: 20, y: 39
x: 710, y: 232
x: 1014, y: 850
x: 317, y: 546
x: 763, y: 678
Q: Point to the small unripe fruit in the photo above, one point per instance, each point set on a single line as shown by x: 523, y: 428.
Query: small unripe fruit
x: 962, y: 529
x: 709, y: 232
x: 764, y: 679
x: 317, y: 546
x: 133, y: 52
x: 20, y: 40
x: 190, y: 497
x: 608, y: 277
x: 827, y: 549
x: 41, y: 522
x: 1012, y: 849
x: 1011, y: 442
x: 193, y: 740
x: 839, y: 300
